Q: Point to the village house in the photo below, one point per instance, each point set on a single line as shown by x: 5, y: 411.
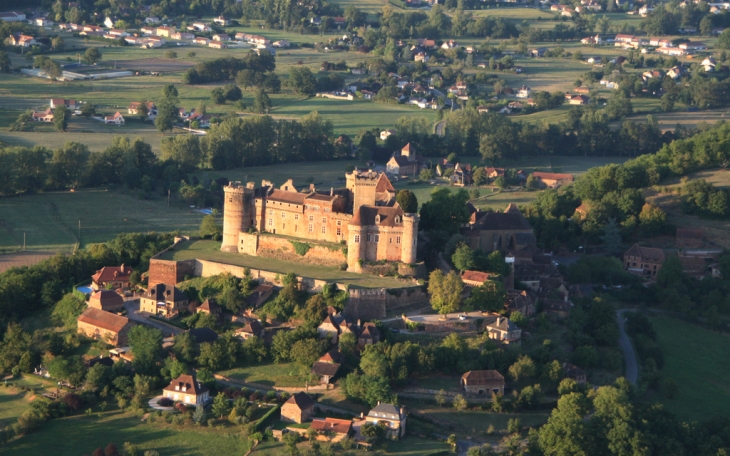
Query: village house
x: 386, y: 133
x: 12, y: 16
x: 113, y: 277
x: 327, y: 366
x: 98, y: 324
x: 520, y: 301
x: 165, y: 31
x: 148, y: 30
x: 331, y: 429
x: 474, y: 278
x: 22, y: 40
x: 392, y: 418
x: 504, y: 231
x: 43, y: 22
x: 43, y: 116
x: 200, y: 27
x: 483, y: 382
x: 187, y: 390
x: 217, y: 45
x: 406, y: 163
x: 576, y: 373
x: 286, y: 44
x: 298, y: 408
x: 201, y: 40
x: 504, y: 331
x: 116, y: 119
x: 644, y: 261
x: 182, y: 36
x: 221, y: 37
x: 106, y: 300
x: 578, y: 99
x: 152, y: 20
x: 163, y: 300
x: 252, y: 328
x: 259, y: 295
x: 222, y: 21
x: 552, y: 180
x: 209, y: 306
x: 524, y: 92
x: 135, y: 109
x: 689, y: 238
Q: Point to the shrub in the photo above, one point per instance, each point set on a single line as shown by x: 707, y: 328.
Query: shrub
x: 300, y: 247
x: 165, y: 402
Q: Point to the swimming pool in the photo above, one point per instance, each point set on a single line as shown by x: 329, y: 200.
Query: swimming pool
x: 206, y: 211
x: 85, y: 290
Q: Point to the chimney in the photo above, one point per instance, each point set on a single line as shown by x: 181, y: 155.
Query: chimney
x: 332, y: 191
x: 378, y: 402
x: 311, y: 188
x: 122, y: 268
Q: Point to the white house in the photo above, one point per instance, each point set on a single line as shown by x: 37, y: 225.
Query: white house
x: 12, y: 16
x: 117, y: 119
x: 524, y: 92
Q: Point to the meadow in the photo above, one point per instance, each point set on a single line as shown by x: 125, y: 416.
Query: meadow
x: 50, y: 220
x: 210, y: 250
x: 273, y: 375
x: 698, y: 361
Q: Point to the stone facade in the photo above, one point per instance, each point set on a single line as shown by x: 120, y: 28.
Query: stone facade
x: 363, y: 216
x: 261, y: 244
x: 98, y: 324
x: 298, y: 408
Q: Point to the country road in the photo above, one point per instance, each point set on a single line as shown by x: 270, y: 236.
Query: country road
x: 440, y: 128
x: 632, y: 368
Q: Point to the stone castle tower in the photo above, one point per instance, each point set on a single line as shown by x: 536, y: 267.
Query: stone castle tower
x: 362, y: 188
x: 238, y: 213
x: 410, y: 238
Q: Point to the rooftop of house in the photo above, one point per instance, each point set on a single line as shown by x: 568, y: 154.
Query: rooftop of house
x: 475, y: 276
x: 332, y: 356
x: 377, y: 215
x: 389, y: 411
x: 186, y: 383
x: 482, y: 377
x: 210, y: 305
x: 335, y: 425
x: 164, y: 292
x: 102, y: 319
x: 302, y: 400
x: 503, y: 324
x: 322, y: 368
x: 645, y: 253
x: 106, y: 298
x: 112, y: 273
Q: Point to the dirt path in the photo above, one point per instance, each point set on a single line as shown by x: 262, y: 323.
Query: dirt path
x: 631, y: 366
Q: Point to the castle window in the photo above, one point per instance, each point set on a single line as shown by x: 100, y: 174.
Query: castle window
x: 271, y: 212
x: 311, y: 228
x: 339, y: 223
x: 311, y: 218
x: 283, y: 226
x: 283, y: 214
x: 390, y: 240
x: 271, y: 222
x: 339, y: 231
x: 357, y: 239
x: 296, y: 216
x: 377, y: 218
x: 324, y: 229
x: 397, y: 239
x: 230, y: 200
x: 397, y: 219
x: 324, y: 219
x: 295, y: 228
x: 377, y: 238
x: 369, y: 238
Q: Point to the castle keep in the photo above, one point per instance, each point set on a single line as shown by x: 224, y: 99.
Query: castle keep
x: 364, y: 215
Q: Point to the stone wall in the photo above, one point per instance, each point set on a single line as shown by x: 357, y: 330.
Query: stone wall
x: 281, y: 248
x: 402, y: 297
x: 366, y: 304
x: 169, y: 272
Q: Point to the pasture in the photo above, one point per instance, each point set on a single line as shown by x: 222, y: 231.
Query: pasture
x: 272, y: 375
x: 698, y: 360
x: 50, y: 220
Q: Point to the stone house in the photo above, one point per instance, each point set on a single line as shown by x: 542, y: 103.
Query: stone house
x: 163, y: 300
x: 327, y: 366
x: 392, y: 418
x: 483, y: 382
x: 332, y: 429
x: 503, y: 231
x: 260, y: 294
x: 575, y: 372
x: 644, y: 261
x: 405, y: 163
x: 520, y: 301
x: 252, y: 328
x: 298, y: 408
x: 504, y: 331
x: 474, y: 278
x: 116, y: 277
x: 556, y: 307
x: 116, y: 119
x: 187, y: 390
x: 98, y: 324
x: 688, y: 238
x: 106, y: 300
x: 209, y: 306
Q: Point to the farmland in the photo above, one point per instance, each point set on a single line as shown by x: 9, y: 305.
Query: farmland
x: 697, y: 360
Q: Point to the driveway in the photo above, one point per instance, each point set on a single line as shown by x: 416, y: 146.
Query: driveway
x: 134, y: 314
x: 624, y: 342
x: 153, y: 404
x: 440, y: 129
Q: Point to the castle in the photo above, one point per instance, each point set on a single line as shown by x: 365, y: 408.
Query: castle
x: 364, y: 215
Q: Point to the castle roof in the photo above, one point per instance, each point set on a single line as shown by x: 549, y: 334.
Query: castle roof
x: 367, y: 215
x: 384, y: 184
x: 287, y: 197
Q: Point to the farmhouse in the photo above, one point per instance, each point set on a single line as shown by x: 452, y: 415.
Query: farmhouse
x: 504, y: 331
x: 483, y: 382
x: 220, y: 20
x: 182, y: 36
x: 111, y: 276
x: 392, y: 418
x: 552, y: 180
x: 43, y: 22
x: 200, y: 40
x: 298, y: 408
x: 474, y: 278
x: 577, y: 99
x: 221, y: 37
x: 644, y: 261
x: 688, y: 238
x: 575, y: 372
x: 135, y: 109
x: 200, y: 27
x: 407, y: 163
x: 520, y: 301
x: 163, y: 300
x: 260, y: 294
x: 43, y: 116
x: 22, y: 40
x: 334, y: 429
x: 187, y: 390
x: 106, y: 300
x: 110, y: 327
x: 165, y: 31
x: 116, y: 119
x: 12, y: 16
x: 217, y: 45
x: 693, y: 46
x: 252, y: 328
x: 148, y: 30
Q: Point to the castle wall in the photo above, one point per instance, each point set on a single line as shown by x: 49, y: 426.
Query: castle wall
x: 372, y: 303
x: 169, y: 272
x: 277, y: 247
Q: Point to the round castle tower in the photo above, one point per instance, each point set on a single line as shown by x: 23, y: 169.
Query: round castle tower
x: 409, y: 242
x: 237, y: 214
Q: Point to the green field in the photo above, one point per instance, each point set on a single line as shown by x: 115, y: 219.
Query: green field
x: 81, y: 435
x: 50, y: 220
x: 210, y: 250
x: 698, y: 360
x: 13, y: 403
x: 279, y: 375
x: 409, y: 446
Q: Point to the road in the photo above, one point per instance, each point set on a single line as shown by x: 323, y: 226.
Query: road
x: 133, y: 314
x: 632, y: 367
x: 440, y: 128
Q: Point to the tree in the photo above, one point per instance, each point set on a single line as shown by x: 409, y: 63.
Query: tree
x: 619, y: 106
x: 306, y: 352
x: 92, y: 55
x: 611, y: 236
x: 490, y: 296
x: 463, y: 258
x: 451, y: 440
x: 440, y: 398
x: 88, y: 109
x: 301, y: 80
x: 566, y: 431
x: 146, y: 345
x: 374, y: 364
x: 5, y: 64
x: 169, y: 91
x: 60, y: 118
x: 209, y: 227
x: 184, y: 347
x: 217, y: 96
x: 671, y: 274
x: 523, y: 368
x: 57, y: 44
x: 407, y: 200
x: 459, y: 402
x: 479, y: 176
x: 166, y: 115
x: 445, y: 291
x: 221, y: 405
x: 199, y: 414
x: 261, y: 102
x: 446, y: 211
x: 232, y: 92
x: 170, y: 55
x: 723, y: 41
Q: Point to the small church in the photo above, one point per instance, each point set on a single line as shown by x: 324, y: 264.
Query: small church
x: 405, y: 163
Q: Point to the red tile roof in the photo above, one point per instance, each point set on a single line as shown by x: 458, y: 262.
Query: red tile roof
x: 113, y: 274
x: 366, y: 215
x: 475, y: 276
x: 331, y: 425
x: 188, y: 382
x: 104, y: 320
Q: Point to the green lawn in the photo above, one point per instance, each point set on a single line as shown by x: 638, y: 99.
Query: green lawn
x: 409, y: 446
x: 13, y: 402
x: 210, y: 250
x: 50, y: 220
x: 281, y: 375
x: 81, y: 435
x: 439, y: 382
x: 698, y: 360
